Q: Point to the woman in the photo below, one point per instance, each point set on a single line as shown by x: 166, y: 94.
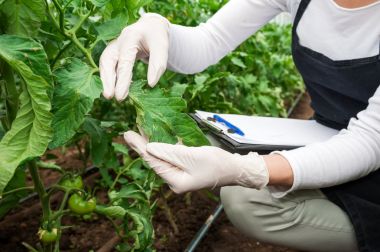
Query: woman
x: 336, y: 48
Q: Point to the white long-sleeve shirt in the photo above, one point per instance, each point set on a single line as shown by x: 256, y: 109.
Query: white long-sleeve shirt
x: 337, y: 32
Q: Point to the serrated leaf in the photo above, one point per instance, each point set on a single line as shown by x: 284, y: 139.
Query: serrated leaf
x: 130, y: 191
x: 74, y: 96
x: 160, y: 115
x: 31, y: 131
x: 144, y: 233
x: 23, y: 16
x: 112, y: 28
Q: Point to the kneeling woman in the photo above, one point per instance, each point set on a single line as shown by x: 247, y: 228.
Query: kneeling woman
x: 322, y: 197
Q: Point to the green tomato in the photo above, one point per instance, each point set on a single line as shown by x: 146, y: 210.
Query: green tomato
x: 79, y: 205
x: 47, y: 236
x: 72, y: 183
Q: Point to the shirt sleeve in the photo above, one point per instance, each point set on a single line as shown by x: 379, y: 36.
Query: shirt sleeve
x: 350, y: 155
x: 193, y: 49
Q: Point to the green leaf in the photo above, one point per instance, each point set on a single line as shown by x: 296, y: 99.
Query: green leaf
x: 2, y: 132
x: 11, y: 200
x: 130, y: 191
x: 50, y: 166
x: 121, y: 148
x: 160, y: 115
x: 100, y: 146
x: 31, y: 131
x: 144, y: 233
x: 74, y: 96
x: 111, y: 211
x: 112, y: 28
x: 238, y: 62
x: 23, y: 16
x: 99, y: 3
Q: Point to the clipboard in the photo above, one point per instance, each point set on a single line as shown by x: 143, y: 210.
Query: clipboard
x: 235, y: 146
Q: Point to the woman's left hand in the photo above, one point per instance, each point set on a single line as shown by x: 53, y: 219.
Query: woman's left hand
x: 192, y: 168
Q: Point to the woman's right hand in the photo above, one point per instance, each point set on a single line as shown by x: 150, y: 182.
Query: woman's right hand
x: 147, y: 39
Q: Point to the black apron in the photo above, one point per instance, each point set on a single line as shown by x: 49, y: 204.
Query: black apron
x: 339, y: 90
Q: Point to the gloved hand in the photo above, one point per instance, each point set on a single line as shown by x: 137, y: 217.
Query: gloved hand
x: 192, y: 168
x: 148, y: 38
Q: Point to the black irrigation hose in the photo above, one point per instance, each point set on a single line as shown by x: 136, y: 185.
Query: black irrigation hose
x: 203, y: 230
x: 211, y: 219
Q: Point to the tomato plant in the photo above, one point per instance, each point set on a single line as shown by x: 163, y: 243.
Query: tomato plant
x: 50, y: 98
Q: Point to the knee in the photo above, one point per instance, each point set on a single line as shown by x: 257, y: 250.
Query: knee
x: 251, y: 211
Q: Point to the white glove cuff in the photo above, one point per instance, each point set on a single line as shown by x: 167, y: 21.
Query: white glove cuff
x: 254, y: 171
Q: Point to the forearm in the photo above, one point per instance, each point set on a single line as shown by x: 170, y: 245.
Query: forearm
x: 280, y: 171
x: 192, y: 49
x: 350, y: 155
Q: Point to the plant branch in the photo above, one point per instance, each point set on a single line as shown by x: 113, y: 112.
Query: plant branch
x: 121, y: 173
x: 61, y: 14
x: 39, y: 188
x: 55, y: 23
x: 71, y: 34
x: 18, y: 190
x: 62, y: 51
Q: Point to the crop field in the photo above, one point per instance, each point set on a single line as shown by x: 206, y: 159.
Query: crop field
x: 68, y: 182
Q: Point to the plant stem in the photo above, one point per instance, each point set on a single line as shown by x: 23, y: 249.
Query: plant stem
x: 81, y: 155
x: 61, y: 15
x: 163, y: 204
x: 121, y: 173
x: 71, y: 34
x: 86, y: 52
x: 18, y: 190
x: 65, y: 47
x: 40, y: 189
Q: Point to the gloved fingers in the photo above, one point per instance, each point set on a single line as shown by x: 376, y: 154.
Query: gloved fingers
x: 165, y: 170
x: 158, y: 58
x: 107, y: 67
x: 127, y: 58
x: 136, y: 142
x: 177, y: 155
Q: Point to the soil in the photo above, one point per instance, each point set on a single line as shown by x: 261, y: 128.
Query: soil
x: 189, y: 212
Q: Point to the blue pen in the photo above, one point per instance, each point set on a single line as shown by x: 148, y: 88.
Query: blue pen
x: 229, y: 125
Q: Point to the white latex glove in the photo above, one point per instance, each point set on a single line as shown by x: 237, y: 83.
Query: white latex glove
x: 192, y: 168
x: 148, y: 38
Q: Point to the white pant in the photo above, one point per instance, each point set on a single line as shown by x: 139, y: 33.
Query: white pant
x: 304, y: 220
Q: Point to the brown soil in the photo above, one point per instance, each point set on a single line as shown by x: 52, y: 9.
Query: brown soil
x: 189, y: 213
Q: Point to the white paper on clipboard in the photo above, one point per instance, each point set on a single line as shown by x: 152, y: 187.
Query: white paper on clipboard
x: 272, y: 131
